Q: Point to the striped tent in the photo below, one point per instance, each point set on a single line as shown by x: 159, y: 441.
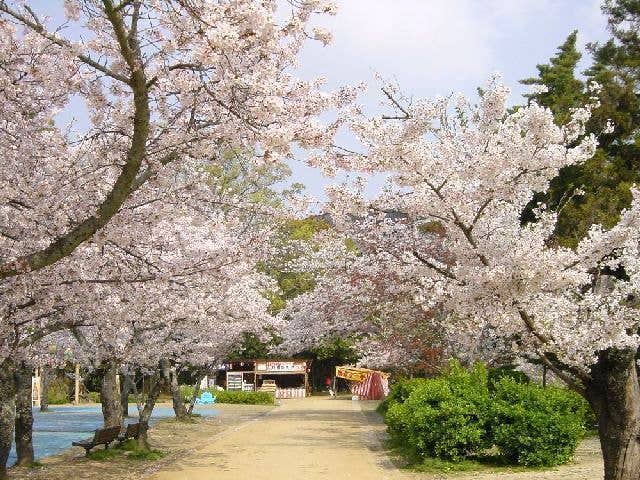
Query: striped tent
x: 367, y: 384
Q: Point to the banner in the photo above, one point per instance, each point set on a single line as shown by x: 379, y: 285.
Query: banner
x: 352, y: 374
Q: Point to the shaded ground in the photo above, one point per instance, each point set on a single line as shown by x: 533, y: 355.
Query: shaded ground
x: 307, y: 439
x: 53, y: 431
x: 177, y: 439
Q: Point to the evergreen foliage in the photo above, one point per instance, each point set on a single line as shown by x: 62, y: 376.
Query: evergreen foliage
x: 606, y: 178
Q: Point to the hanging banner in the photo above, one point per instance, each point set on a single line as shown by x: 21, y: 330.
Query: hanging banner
x: 352, y: 374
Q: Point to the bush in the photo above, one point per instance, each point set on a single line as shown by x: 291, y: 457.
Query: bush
x: 186, y: 391
x: 457, y: 415
x: 533, y: 426
x: 249, y: 398
x: 58, y: 392
x: 232, y: 396
x: 444, y: 417
x: 399, y: 392
x: 508, y: 371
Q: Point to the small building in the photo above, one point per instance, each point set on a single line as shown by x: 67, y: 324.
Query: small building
x: 288, y: 378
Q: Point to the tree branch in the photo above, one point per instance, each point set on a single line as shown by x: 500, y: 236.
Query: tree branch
x: 65, y: 245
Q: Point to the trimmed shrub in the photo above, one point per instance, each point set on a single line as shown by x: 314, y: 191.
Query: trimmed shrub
x: 249, y: 398
x: 464, y: 413
x: 231, y: 396
x: 444, y: 417
x: 533, y: 426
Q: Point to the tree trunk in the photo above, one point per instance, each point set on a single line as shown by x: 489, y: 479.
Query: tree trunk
x: 144, y: 414
x: 196, y: 392
x: 178, y: 403
x: 7, y: 413
x: 614, y: 394
x: 24, y: 416
x: 110, y: 395
x: 126, y: 387
x: 45, y: 377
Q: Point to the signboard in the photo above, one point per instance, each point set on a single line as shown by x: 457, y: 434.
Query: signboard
x: 281, y: 366
x: 352, y: 374
x: 234, y: 380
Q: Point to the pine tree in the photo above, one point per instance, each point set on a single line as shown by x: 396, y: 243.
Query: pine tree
x: 564, y: 90
x: 607, y: 177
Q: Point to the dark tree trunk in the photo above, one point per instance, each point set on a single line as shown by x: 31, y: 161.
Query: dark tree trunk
x: 196, y: 393
x: 7, y: 413
x: 24, y: 416
x: 110, y: 395
x: 126, y: 387
x: 157, y: 383
x: 45, y: 378
x: 179, y: 407
x: 614, y: 395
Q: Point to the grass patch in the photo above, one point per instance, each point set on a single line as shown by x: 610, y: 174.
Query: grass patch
x: 128, y: 449
x: 130, y: 445
x: 146, y: 455
x: 35, y: 465
x: 104, y: 454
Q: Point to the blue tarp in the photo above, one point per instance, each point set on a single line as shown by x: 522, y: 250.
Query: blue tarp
x: 54, y: 431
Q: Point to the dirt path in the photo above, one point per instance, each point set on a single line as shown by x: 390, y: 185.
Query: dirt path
x: 321, y: 438
x: 313, y: 438
x: 308, y: 439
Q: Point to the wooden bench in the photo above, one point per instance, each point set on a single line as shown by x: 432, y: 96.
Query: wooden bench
x: 132, y: 431
x: 102, y: 436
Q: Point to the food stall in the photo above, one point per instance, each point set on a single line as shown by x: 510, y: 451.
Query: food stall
x: 366, y: 384
x: 287, y: 378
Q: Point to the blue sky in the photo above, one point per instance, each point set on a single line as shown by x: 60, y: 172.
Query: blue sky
x: 436, y: 47
x: 433, y: 47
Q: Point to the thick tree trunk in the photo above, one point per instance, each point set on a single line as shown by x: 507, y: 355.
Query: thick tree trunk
x: 144, y: 414
x: 614, y: 394
x: 126, y: 387
x: 45, y: 378
x: 24, y: 416
x: 178, y: 403
x: 110, y: 396
x: 7, y: 413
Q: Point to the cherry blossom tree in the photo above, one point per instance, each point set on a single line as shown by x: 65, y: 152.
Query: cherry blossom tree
x: 366, y: 284
x: 164, y: 84
x: 470, y: 170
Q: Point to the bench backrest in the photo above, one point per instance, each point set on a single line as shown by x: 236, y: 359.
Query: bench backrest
x: 106, y: 435
x: 133, y: 429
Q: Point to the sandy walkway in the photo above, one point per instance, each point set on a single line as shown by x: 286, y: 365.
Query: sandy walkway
x: 313, y: 438
x: 322, y: 438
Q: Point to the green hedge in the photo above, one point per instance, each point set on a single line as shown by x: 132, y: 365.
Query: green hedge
x: 224, y: 396
x: 444, y: 417
x: 249, y: 398
x: 457, y: 416
x: 536, y: 426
